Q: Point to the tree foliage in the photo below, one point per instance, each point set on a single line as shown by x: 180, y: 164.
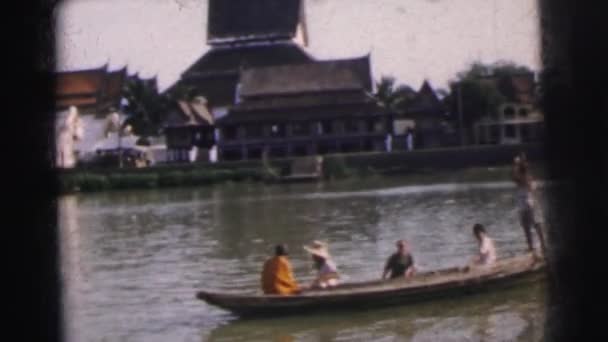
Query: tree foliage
x: 146, y: 108
x: 479, y: 90
x: 391, y: 96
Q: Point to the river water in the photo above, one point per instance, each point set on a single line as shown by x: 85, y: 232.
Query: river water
x: 132, y: 261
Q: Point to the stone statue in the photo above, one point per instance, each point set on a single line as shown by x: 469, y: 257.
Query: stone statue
x: 69, y: 131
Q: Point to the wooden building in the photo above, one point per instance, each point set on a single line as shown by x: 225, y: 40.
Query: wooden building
x: 91, y: 91
x: 241, y: 34
x: 426, y: 117
x: 303, y: 109
x: 189, y: 131
x: 95, y: 93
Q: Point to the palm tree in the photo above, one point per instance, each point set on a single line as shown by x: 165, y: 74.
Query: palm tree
x: 392, y: 97
x: 147, y: 109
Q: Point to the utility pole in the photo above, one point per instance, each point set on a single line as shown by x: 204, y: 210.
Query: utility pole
x: 460, y: 113
x: 120, y: 147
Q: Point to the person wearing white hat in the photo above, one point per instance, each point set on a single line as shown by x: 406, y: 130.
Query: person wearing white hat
x: 327, y: 275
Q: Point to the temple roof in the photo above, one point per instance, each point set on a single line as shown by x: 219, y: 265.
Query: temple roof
x: 80, y: 81
x: 314, y: 77
x: 229, y: 60
x: 216, y: 73
x: 425, y: 101
x: 89, y: 89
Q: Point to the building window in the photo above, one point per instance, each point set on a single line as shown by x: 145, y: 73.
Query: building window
x: 229, y: 133
x: 326, y: 147
x: 277, y: 130
x: 510, y: 131
x: 254, y: 131
x: 535, y: 131
x: 300, y: 128
x: 380, y: 126
x: 494, y: 133
x: 509, y: 112
x: 254, y: 153
x: 369, y: 126
x: 351, y: 126
x: 326, y: 127
x: 349, y: 147
x: 231, y: 154
x: 277, y: 152
x: 300, y: 150
x: 525, y: 131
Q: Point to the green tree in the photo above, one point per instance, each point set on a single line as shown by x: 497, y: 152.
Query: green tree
x: 479, y: 91
x: 391, y: 96
x: 146, y: 108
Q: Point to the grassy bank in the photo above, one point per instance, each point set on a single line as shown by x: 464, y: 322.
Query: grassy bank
x: 88, y: 181
x: 481, y: 163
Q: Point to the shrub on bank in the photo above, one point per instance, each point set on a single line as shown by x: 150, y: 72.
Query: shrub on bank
x: 89, y: 182
x: 132, y: 181
x: 335, y: 167
x: 85, y: 182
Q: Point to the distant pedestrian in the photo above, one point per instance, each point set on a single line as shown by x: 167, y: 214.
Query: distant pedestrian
x: 213, y: 154
x: 389, y: 142
x: 409, y: 139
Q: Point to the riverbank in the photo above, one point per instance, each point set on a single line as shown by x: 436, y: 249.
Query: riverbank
x: 479, y: 163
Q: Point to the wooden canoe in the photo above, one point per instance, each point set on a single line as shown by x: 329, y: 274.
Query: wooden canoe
x: 505, y: 273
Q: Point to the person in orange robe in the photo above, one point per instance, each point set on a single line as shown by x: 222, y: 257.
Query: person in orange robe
x: 277, y: 277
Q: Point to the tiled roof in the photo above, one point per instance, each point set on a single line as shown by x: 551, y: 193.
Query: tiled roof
x: 315, y: 77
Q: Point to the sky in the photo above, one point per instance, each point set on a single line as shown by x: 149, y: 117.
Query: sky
x: 411, y: 40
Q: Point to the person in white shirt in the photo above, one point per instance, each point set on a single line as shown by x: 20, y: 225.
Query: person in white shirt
x: 410, y: 139
x: 487, y: 250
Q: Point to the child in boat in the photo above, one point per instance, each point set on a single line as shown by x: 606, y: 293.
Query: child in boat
x: 400, y: 263
x: 487, y: 250
x: 327, y: 275
x: 277, y: 277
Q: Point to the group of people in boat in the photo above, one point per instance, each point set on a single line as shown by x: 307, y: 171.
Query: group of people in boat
x: 278, y: 278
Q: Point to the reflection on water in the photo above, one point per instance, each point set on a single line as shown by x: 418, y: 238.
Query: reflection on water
x: 513, y: 315
x: 132, y: 261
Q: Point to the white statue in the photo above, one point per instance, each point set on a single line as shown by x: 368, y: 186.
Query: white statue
x: 69, y: 131
x: 112, y: 124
